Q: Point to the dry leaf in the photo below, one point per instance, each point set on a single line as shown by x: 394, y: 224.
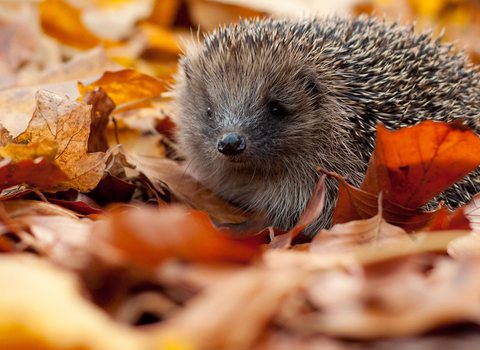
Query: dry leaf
x: 70, y: 29
x: 127, y: 86
x: 355, y: 204
x: 243, y: 304
x: 472, y: 212
x: 148, y: 237
x: 38, y: 173
x: 91, y: 63
x: 67, y: 122
x: 102, y: 106
x: 42, y: 308
x: 355, y: 233
x: 17, y: 46
x: 47, y: 149
x: 414, y: 164
x: 167, y: 175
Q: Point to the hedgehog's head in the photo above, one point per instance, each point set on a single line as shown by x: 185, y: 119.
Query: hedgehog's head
x: 251, y: 101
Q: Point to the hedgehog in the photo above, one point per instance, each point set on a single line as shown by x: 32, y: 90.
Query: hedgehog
x: 264, y: 103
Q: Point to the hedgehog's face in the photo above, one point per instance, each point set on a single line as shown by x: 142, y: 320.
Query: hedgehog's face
x: 249, y: 113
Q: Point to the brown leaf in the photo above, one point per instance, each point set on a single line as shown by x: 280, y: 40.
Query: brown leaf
x: 244, y: 306
x: 102, y: 106
x: 67, y: 122
x: 166, y: 127
x: 414, y: 164
x: 150, y: 236
x: 111, y: 189
x: 23, y: 207
x: 394, y: 299
x: 166, y: 175
x: 76, y: 201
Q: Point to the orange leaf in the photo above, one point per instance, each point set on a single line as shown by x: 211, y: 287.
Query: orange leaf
x: 63, y: 22
x: 149, y: 237
x: 127, y: 86
x: 445, y: 220
x: 355, y: 204
x: 413, y: 165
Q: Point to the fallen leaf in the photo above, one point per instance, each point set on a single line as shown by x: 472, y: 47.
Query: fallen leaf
x: 167, y: 175
x: 67, y: 122
x: 47, y: 149
x: 355, y: 233
x: 413, y: 165
x: 91, y: 63
x: 17, y: 45
x: 17, y: 208
x: 102, y: 106
x: 148, y: 237
x: 355, y: 204
x: 244, y: 306
x: 127, y: 86
x: 446, y: 220
x: 396, y: 300
x: 472, y: 212
x: 70, y: 29
x: 166, y: 127
x: 36, y: 308
x: 111, y: 189
x: 38, y: 173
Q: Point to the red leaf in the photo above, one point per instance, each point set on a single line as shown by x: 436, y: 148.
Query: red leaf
x: 38, y: 173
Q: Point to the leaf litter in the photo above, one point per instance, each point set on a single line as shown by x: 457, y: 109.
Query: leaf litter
x: 104, y: 247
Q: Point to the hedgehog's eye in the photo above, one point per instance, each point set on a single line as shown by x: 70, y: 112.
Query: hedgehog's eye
x: 277, y: 110
x: 209, y: 111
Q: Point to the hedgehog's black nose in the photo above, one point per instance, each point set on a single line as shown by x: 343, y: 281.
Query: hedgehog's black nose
x: 231, y: 144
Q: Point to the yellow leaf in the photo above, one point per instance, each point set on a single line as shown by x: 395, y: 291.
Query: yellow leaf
x: 46, y: 148
x: 41, y: 307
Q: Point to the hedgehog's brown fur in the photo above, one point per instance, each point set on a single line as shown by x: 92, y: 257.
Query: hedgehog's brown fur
x: 334, y: 80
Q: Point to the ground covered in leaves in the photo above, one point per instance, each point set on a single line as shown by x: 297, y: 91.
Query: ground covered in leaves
x: 107, y: 243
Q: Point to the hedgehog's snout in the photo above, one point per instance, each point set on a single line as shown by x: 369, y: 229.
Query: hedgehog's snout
x: 232, y: 144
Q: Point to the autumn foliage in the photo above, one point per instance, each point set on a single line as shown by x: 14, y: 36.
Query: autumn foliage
x: 107, y: 242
